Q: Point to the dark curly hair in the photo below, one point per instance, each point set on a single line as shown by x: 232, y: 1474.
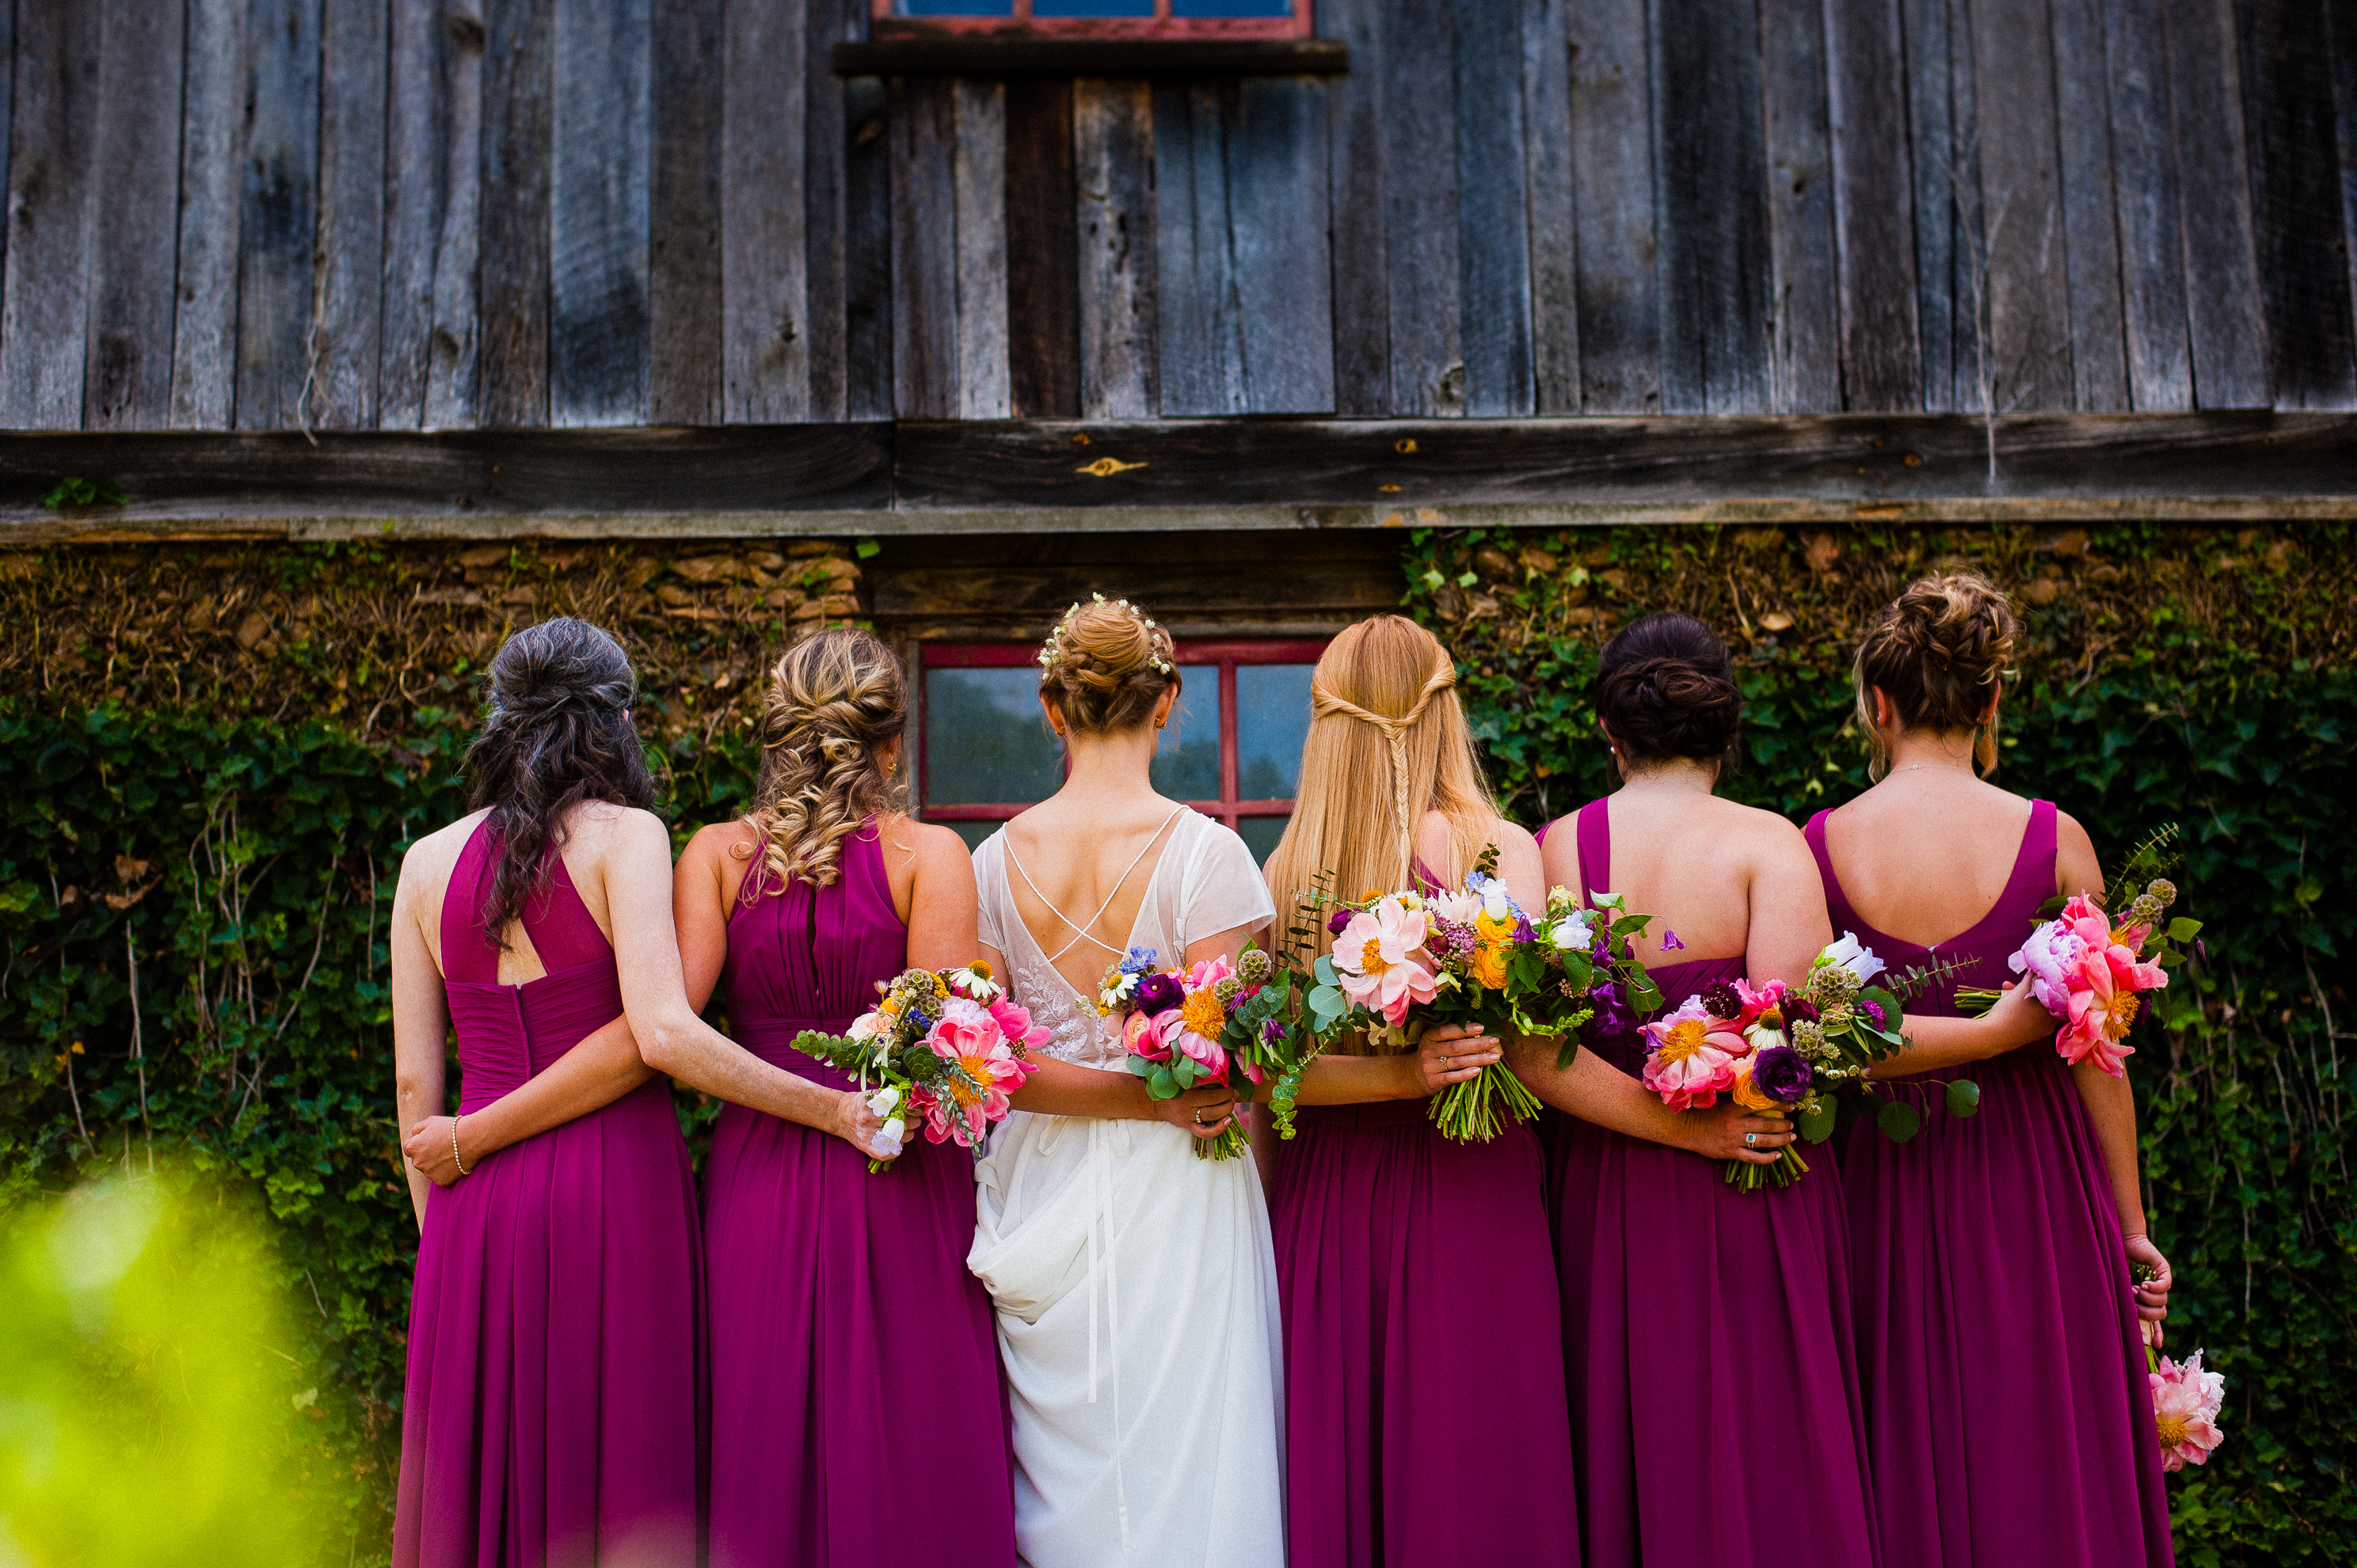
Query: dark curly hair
x: 1665, y: 688
x: 1939, y: 652
x: 557, y: 733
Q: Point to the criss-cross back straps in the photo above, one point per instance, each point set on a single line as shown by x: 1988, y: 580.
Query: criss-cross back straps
x: 1086, y: 930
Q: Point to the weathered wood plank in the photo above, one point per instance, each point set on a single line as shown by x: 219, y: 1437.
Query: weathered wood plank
x: 2226, y: 322
x: 2090, y: 226
x: 1612, y: 197
x: 1043, y: 279
x: 44, y: 303
x: 827, y: 113
x: 599, y: 352
x: 1874, y: 217
x: 980, y: 168
x: 1493, y: 222
x: 2151, y: 229
x: 2342, y: 29
x: 1710, y: 177
x: 2287, y: 50
x: 1355, y: 183
x: 923, y: 121
x: 416, y: 121
x: 1113, y: 170
x: 1421, y: 243
x: 348, y: 302
x: 1943, y: 173
x: 517, y: 70
x: 1276, y: 199
x: 454, y: 352
x: 766, y: 303
x: 867, y: 300
x: 1805, y: 347
x: 204, y: 320
x: 683, y: 265
x: 2021, y: 203
x: 1553, y: 206
x: 1197, y: 325
x: 127, y: 383
x: 278, y: 220
x: 7, y: 111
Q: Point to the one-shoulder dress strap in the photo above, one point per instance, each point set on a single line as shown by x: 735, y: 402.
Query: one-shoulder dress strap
x: 1594, y: 827
x: 1844, y: 918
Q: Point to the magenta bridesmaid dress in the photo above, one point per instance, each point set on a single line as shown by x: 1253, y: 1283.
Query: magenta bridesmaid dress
x: 1715, y: 1412
x: 1425, y: 1419
x: 857, y: 1415
x: 550, y: 1413
x: 2006, y: 1402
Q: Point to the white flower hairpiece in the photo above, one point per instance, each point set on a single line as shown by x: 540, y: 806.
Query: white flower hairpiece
x: 1052, y: 650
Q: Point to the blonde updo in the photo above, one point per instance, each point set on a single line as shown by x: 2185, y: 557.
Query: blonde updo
x: 1941, y: 652
x: 1105, y: 666
x: 835, y: 701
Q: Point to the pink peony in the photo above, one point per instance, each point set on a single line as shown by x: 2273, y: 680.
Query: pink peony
x: 1140, y: 1039
x: 1016, y: 1024
x: 2049, y: 959
x: 1175, y: 1036
x: 2185, y: 1404
x: 1693, y: 1057
x: 1757, y: 1002
x: 1379, y: 959
x: 970, y: 1037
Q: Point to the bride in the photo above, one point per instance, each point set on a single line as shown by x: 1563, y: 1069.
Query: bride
x: 1135, y: 1283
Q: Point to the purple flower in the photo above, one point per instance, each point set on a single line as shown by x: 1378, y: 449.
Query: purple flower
x: 1156, y: 995
x: 1800, y: 1010
x: 1272, y: 1033
x: 1670, y: 940
x: 1444, y: 938
x: 1613, y: 1022
x: 1781, y: 1074
x: 1342, y: 919
x: 1723, y: 999
x: 1523, y: 930
x: 1875, y: 1017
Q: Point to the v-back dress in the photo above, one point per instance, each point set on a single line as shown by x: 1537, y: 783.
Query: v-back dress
x: 1135, y: 1292
x: 827, y: 1282
x: 1714, y: 1411
x: 1414, y: 1270
x: 2006, y: 1400
x: 550, y: 1411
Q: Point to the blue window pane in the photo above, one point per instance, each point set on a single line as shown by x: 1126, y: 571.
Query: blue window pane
x: 1231, y: 8
x: 1092, y: 7
x: 1272, y: 722
x: 955, y: 8
x: 986, y: 739
x: 1260, y: 835
x: 1186, y: 755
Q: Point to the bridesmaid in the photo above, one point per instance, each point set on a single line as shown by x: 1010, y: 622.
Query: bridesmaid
x: 1417, y: 1274
x: 2005, y: 1403
x: 827, y: 1284
x: 550, y: 1406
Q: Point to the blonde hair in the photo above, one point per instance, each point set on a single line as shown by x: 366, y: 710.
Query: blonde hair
x: 835, y: 702
x: 1105, y: 665
x: 1387, y: 743
x: 1939, y: 651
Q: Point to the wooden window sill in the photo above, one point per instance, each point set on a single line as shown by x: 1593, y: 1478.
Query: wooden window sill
x: 953, y: 55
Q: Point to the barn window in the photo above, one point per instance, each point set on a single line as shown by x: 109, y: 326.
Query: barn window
x: 1173, y: 19
x: 1232, y: 749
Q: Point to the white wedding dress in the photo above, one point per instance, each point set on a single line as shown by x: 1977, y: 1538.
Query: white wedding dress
x: 1135, y: 1283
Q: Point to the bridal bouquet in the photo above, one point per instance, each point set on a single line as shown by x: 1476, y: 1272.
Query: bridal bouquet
x: 2092, y: 976
x: 946, y: 1048
x: 2185, y: 1401
x: 1401, y: 962
x: 1796, y: 1051
x: 1229, y: 1024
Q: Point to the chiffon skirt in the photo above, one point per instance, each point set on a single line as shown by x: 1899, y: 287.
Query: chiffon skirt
x: 1997, y: 1347
x: 1714, y: 1408
x: 856, y: 1416
x: 550, y: 1415
x: 1424, y: 1365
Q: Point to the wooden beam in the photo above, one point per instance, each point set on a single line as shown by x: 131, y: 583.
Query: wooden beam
x: 967, y: 55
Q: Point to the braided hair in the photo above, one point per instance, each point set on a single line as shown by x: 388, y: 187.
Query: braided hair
x: 1941, y: 652
x: 558, y: 732
x: 1665, y: 690
x: 835, y: 701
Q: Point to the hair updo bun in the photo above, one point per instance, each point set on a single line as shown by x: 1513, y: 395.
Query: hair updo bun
x: 1105, y: 666
x: 1665, y: 689
x: 1939, y: 651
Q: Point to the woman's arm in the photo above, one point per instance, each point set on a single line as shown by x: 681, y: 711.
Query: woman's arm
x: 421, y: 1022
x: 1066, y: 1088
x: 2018, y: 1019
x: 2111, y: 1107
x: 591, y: 1076
x: 701, y: 887
x: 1594, y: 1090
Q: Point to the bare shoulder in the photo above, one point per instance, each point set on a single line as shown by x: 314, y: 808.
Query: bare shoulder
x: 927, y: 845
x: 720, y: 840
x: 1513, y: 838
x: 428, y: 861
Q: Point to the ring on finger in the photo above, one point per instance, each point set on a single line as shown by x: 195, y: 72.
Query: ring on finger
x: 1750, y: 1140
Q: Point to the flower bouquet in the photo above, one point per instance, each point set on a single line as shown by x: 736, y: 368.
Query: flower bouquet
x: 945, y: 1048
x: 2186, y: 1401
x: 1401, y: 962
x: 1234, y: 1024
x: 1796, y: 1051
x: 2093, y: 975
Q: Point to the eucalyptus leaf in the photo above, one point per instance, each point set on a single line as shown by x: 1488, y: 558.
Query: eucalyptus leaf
x: 1899, y: 1120
x: 1816, y: 1126
x: 1964, y: 1097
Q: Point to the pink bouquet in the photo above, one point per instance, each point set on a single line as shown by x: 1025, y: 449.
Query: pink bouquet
x: 2185, y: 1401
x: 1228, y: 1024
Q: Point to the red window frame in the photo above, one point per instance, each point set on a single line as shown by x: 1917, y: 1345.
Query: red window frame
x: 1227, y: 653
x: 887, y: 22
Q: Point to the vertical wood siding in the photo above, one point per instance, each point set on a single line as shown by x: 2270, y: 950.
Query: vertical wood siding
x: 408, y: 214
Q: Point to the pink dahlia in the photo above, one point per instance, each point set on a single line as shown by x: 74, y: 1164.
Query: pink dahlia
x: 2185, y: 1405
x: 1693, y: 1058
x: 1379, y: 959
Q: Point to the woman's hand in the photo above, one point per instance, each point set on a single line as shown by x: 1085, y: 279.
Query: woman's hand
x: 1204, y: 1111
x: 1452, y: 1055
x: 2151, y: 1295
x: 1720, y: 1134
x: 857, y: 1125
x: 2018, y: 1018
x: 429, y: 1149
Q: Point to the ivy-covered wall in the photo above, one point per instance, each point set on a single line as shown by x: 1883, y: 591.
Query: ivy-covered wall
x: 215, y: 753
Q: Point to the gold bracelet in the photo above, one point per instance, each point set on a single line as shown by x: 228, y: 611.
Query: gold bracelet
x: 454, y: 1144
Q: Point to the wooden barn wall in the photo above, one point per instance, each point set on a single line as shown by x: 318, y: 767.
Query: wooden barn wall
x: 444, y: 214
